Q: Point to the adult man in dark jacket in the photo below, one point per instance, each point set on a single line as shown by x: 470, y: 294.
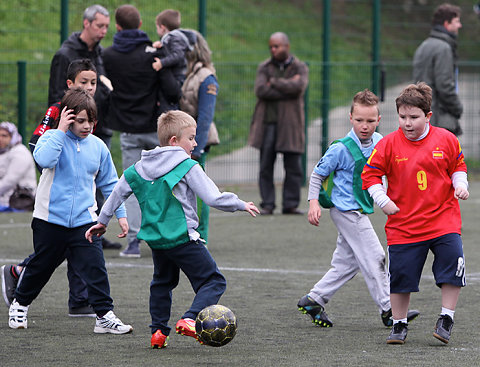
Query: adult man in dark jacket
x: 84, y: 45
x: 435, y: 63
x: 134, y: 106
x: 278, y: 123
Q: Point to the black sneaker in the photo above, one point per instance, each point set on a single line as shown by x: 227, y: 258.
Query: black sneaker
x: 82, y: 311
x: 109, y: 245
x: 307, y: 305
x: 443, y: 328
x: 9, y: 283
x: 398, y: 333
x: 388, y: 320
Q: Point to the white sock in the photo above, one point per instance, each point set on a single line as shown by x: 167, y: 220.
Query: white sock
x: 401, y: 320
x: 446, y: 311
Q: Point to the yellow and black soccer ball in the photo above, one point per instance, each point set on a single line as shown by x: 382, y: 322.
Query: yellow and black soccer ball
x: 216, y: 325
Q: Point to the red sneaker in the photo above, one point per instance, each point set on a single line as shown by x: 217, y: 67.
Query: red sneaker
x: 186, y: 327
x: 158, y: 340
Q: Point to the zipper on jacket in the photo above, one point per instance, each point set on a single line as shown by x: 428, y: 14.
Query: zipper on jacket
x: 78, y: 146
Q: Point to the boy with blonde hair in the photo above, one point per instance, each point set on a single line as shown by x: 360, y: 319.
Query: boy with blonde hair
x: 166, y: 182
x: 427, y: 175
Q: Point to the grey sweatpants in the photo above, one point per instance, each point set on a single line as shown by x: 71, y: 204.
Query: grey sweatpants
x: 132, y: 146
x: 358, y: 249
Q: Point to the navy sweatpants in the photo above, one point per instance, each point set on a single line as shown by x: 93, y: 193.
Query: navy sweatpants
x: 51, y: 242
x: 195, y: 261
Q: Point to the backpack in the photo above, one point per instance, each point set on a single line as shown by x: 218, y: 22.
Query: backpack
x: 362, y: 196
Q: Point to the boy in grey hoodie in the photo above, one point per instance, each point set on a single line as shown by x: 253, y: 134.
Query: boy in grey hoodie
x: 166, y: 182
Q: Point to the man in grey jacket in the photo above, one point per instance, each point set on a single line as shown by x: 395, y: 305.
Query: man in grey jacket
x: 435, y: 63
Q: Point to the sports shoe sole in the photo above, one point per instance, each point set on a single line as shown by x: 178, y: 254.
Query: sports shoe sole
x: 4, y: 287
x: 129, y: 255
x: 101, y: 330
x: 442, y: 339
x: 395, y: 341
x: 182, y: 330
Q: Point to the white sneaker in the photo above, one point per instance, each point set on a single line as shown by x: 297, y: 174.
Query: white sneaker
x: 17, y: 316
x: 110, y: 323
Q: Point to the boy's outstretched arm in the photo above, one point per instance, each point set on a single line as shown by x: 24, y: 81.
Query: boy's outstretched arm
x: 251, y: 208
x: 100, y: 229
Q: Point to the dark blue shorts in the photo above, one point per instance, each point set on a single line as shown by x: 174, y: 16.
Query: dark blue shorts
x: 406, y: 263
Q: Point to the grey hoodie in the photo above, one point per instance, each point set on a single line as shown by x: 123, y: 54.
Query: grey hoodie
x: 158, y: 162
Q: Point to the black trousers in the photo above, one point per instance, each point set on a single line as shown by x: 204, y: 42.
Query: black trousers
x: 51, y: 243
x: 292, y: 164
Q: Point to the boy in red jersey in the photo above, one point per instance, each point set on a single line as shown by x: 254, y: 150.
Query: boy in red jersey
x: 426, y: 175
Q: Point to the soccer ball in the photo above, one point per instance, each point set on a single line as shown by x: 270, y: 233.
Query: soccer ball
x: 216, y: 325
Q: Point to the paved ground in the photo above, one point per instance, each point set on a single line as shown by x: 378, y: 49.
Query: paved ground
x: 241, y: 166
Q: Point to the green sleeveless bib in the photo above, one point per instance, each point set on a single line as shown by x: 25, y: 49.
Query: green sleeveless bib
x: 164, y: 224
x: 361, y: 196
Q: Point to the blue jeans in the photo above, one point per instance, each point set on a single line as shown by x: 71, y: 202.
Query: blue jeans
x: 198, y: 265
x: 51, y: 243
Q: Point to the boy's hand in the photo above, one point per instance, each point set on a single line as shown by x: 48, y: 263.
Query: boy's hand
x: 67, y: 117
x: 314, y: 212
x: 391, y: 208
x: 252, y: 209
x: 157, y: 44
x: 461, y: 193
x: 96, y: 230
x: 122, y: 222
x: 157, y: 65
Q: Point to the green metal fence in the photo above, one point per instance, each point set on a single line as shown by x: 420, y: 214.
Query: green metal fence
x: 348, y: 45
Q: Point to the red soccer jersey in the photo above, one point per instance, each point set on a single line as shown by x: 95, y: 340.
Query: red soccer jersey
x: 419, y: 183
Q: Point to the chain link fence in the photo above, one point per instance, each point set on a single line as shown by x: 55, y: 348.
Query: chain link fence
x: 238, y: 32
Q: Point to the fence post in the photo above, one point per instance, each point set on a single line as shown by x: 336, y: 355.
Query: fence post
x: 376, y: 46
x: 63, y: 21
x: 22, y: 99
x: 305, y: 154
x: 325, y: 74
x: 202, y: 17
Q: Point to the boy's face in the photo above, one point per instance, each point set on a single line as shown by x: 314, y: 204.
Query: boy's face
x: 81, y: 127
x: 161, y: 30
x: 365, y: 120
x: 187, y: 140
x: 5, y: 138
x: 86, y: 79
x: 412, y: 121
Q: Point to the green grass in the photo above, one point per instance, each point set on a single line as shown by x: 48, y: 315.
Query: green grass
x: 269, y: 263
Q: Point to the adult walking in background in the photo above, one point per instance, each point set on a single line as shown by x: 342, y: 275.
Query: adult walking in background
x: 133, y: 106
x: 278, y: 123
x: 435, y: 63
x: 17, y: 169
x: 199, y: 96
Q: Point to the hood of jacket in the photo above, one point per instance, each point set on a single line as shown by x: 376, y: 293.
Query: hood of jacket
x: 127, y: 40
x: 188, y: 37
x: 159, y: 161
x: 75, y: 43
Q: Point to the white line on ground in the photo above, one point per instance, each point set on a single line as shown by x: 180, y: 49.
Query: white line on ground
x: 471, y: 277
